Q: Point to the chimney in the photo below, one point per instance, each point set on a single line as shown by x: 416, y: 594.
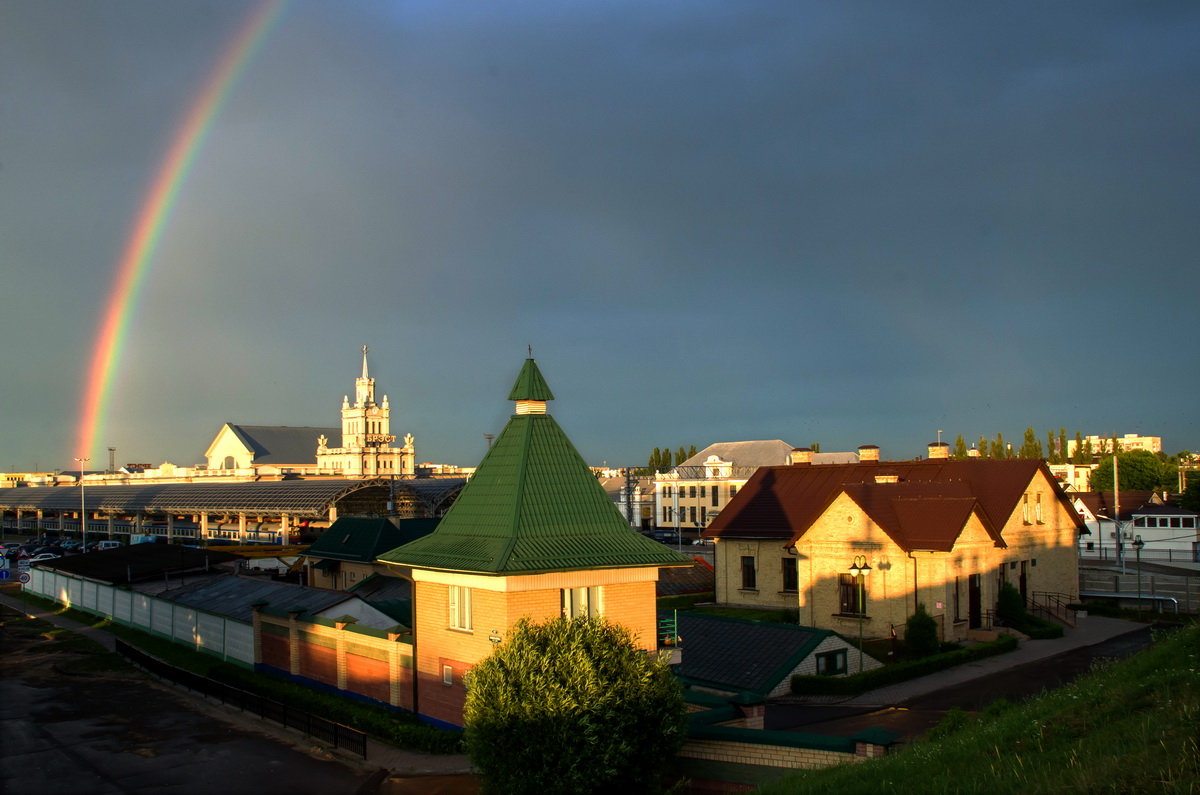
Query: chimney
x: 939, y: 450
x: 868, y: 452
x: 801, y: 455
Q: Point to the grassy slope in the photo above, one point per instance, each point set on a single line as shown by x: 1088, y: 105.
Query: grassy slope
x: 1126, y: 727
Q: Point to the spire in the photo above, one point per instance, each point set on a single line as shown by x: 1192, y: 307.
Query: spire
x: 530, y: 385
x: 364, y: 350
x: 533, y: 506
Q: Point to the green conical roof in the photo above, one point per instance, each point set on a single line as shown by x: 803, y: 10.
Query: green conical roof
x: 533, y: 505
x: 530, y: 385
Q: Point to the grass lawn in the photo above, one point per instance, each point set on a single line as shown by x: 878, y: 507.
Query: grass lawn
x: 1124, y: 727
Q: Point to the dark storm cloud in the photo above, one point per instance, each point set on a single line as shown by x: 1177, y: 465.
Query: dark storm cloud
x: 823, y: 222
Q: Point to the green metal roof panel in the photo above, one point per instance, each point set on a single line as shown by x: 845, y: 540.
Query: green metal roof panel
x: 530, y: 385
x: 364, y: 538
x: 533, y: 505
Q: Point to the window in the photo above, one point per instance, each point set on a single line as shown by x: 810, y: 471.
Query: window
x: 693, y: 514
x: 692, y: 491
x: 831, y: 663
x: 460, y: 607
x: 957, y: 599
x: 1025, y: 509
x: 749, y: 580
x: 852, y: 595
x: 703, y: 515
x: 582, y: 602
x: 790, y: 580
x: 666, y: 514
x: 702, y: 492
x: 732, y: 491
x: 1139, y: 522
x: 447, y: 675
x: 1037, y: 510
x: 714, y: 496
x: 1189, y: 522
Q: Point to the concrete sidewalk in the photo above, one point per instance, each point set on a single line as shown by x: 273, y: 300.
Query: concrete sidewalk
x: 397, y: 762
x: 1091, y: 631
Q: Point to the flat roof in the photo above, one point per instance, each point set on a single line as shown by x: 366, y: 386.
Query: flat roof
x: 311, y: 498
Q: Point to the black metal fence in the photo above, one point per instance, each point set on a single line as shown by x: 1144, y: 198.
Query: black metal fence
x: 335, y: 734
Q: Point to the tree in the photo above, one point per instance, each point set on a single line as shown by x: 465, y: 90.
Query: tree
x: 998, y: 448
x: 1051, y: 453
x: 691, y: 451
x: 1139, y: 470
x: 1078, y: 458
x: 960, y: 447
x: 920, y: 633
x: 816, y: 447
x: 1062, y: 446
x: 1010, y: 606
x: 1190, y: 498
x: 655, y: 462
x: 983, y: 447
x: 680, y: 455
x: 1030, y: 446
x: 572, y: 706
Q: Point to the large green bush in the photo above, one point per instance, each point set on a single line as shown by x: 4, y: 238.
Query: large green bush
x: 1010, y: 606
x: 921, y: 633
x: 572, y: 706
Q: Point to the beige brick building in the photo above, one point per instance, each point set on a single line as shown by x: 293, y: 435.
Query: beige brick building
x: 856, y: 547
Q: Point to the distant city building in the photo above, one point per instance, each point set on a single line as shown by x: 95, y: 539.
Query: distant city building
x: 1130, y: 441
x: 1074, y: 477
x: 690, y: 495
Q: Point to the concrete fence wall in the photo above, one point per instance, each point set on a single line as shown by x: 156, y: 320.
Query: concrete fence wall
x: 1185, y: 589
x: 223, y: 637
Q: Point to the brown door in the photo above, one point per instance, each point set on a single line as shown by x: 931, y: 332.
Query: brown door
x: 974, y: 602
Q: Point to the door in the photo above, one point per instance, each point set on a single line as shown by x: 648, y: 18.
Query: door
x: 1023, y: 581
x: 974, y: 602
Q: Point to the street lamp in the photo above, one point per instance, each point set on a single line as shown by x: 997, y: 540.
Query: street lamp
x: 1138, y: 543
x: 82, y: 504
x: 859, y: 569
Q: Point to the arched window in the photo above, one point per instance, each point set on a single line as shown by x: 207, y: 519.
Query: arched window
x: 230, y: 463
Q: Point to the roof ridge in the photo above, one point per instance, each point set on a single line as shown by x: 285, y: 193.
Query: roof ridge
x: 518, y: 502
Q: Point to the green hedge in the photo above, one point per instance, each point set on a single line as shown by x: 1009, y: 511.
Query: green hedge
x: 899, y: 672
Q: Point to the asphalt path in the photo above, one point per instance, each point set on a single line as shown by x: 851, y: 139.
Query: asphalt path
x: 915, y: 716
x: 121, y: 732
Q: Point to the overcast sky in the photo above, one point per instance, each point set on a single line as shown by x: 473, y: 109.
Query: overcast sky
x: 843, y: 223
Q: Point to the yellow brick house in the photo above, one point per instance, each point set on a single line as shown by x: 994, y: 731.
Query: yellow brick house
x: 857, y: 546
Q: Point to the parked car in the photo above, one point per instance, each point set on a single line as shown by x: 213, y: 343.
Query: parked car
x: 44, y: 556
x: 103, y: 545
x: 665, y: 536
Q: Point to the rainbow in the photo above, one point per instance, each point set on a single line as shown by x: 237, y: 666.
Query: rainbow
x: 156, y: 210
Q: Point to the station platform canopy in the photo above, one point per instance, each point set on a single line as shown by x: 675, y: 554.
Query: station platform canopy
x: 300, y: 498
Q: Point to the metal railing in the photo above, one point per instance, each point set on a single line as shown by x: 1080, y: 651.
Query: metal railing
x: 1050, y: 604
x: 335, y: 734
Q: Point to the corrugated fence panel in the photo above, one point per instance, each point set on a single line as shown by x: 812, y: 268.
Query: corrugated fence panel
x: 88, y: 598
x: 210, y: 633
x: 123, y: 606
x: 239, y: 641
x: 75, y: 590
x: 141, y: 611
x: 184, y: 625
x: 160, y: 617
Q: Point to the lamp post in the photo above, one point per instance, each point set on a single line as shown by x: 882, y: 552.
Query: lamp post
x: 859, y: 569
x: 1138, y: 543
x: 82, y: 504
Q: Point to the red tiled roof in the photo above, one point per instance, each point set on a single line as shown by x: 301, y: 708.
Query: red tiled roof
x: 930, y: 497
x: 920, y: 515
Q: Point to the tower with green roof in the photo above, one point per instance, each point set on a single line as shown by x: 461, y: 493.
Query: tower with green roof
x: 533, y: 534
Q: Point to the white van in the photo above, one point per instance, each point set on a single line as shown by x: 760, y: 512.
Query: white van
x: 103, y: 545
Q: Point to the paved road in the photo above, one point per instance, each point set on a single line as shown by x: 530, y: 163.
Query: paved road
x: 108, y: 733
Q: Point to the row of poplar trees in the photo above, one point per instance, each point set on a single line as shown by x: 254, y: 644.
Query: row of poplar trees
x: 1055, y: 449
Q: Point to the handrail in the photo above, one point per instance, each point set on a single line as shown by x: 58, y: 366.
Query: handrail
x: 1055, y: 604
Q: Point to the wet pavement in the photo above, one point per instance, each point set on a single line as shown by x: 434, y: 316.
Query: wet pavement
x: 115, y: 731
